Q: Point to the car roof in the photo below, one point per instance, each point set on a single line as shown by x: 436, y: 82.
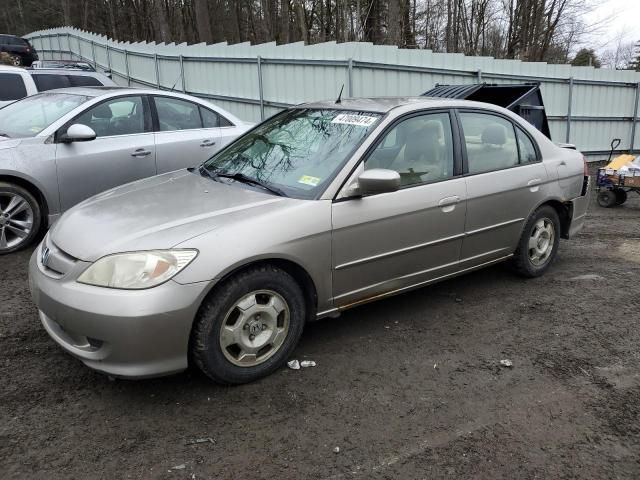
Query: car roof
x: 44, y: 71
x: 10, y: 68
x: 96, y: 91
x: 115, y: 90
x: 61, y: 71
x: 386, y: 104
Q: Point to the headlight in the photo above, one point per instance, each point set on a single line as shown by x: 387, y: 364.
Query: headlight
x: 137, y: 270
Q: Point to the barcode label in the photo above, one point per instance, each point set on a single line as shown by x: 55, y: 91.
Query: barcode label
x: 351, y: 119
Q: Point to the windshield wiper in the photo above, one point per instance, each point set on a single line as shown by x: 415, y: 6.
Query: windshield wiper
x: 4, y: 135
x: 242, y: 178
x: 205, y: 171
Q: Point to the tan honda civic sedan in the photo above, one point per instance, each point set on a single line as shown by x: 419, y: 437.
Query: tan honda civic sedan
x: 318, y: 209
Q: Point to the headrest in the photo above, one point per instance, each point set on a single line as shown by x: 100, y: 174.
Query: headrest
x: 494, y: 134
x: 432, y: 129
x: 102, y: 111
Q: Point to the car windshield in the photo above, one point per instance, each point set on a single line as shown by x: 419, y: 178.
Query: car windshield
x: 297, y: 152
x: 29, y: 116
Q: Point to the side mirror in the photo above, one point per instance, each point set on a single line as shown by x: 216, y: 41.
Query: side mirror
x: 108, y: 74
x: 78, y: 133
x: 378, y: 180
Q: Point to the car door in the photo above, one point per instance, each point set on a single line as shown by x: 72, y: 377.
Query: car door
x: 388, y: 242
x: 186, y: 134
x: 123, y: 150
x: 505, y: 181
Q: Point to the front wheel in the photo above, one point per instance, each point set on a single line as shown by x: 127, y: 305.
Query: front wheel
x: 249, y: 326
x: 20, y: 218
x: 539, y: 243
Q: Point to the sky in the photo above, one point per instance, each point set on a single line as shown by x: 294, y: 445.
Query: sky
x: 613, y: 19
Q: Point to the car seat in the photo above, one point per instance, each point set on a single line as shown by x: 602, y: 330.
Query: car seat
x: 99, y: 119
x: 494, y: 152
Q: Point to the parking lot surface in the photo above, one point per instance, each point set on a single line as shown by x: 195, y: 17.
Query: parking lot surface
x: 410, y: 387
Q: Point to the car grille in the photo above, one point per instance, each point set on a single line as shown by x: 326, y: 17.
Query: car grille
x: 53, y: 261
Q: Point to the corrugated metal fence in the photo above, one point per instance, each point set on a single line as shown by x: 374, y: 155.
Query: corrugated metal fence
x: 585, y: 106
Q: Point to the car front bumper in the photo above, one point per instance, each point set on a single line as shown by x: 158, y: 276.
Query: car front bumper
x: 124, y: 333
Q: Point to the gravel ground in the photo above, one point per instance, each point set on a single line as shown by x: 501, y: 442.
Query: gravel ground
x: 409, y: 387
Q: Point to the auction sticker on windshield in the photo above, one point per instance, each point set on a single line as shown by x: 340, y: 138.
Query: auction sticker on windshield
x: 351, y: 119
x: 309, y: 180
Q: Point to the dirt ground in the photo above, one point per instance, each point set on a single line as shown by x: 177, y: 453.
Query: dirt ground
x: 406, y: 388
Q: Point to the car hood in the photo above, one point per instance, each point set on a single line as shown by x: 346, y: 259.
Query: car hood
x: 155, y: 213
x: 8, y: 143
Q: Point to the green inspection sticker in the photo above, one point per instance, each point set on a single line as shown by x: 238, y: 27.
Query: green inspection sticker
x: 309, y: 180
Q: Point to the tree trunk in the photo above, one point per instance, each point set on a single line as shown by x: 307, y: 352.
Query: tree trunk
x: 163, y: 33
x: 203, y: 21
x: 284, y: 22
x: 66, y: 12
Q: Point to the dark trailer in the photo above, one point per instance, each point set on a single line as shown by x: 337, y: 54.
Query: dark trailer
x: 522, y: 99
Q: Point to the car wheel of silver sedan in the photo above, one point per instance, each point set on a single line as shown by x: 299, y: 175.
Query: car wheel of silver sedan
x: 19, y: 218
x: 539, y: 243
x: 249, y: 325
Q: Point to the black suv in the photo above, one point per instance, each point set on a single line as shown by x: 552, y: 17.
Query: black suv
x: 19, y: 49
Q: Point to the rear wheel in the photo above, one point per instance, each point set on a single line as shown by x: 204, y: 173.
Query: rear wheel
x: 621, y: 195
x: 606, y: 198
x: 16, y: 60
x: 248, y: 326
x: 539, y: 243
x: 20, y: 218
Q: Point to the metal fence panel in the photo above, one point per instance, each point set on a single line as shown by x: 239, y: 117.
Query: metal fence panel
x: 585, y: 106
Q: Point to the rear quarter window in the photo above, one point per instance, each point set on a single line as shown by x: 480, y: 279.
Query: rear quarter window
x: 46, y: 82
x: 84, y: 81
x: 12, y: 87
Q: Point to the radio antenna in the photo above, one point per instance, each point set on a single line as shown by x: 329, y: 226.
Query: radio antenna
x: 339, y: 100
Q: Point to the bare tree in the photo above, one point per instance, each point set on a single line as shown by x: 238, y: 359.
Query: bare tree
x: 540, y: 30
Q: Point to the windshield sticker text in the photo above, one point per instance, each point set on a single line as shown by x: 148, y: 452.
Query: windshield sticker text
x: 350, y: 119
x: 309, y: 180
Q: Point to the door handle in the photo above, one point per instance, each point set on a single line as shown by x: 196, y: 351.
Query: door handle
x: 448, y: 201
x: 448, y: 204
x: 140, y: 152
x: 207, y: 143
x: 534, y: 182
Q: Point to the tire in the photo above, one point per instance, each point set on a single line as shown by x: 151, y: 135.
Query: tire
x: 606, y: 198
x: 540, y: 234
x: 16, y: 60
x: 621, y: 195
x: 20, y: 218
x: 256, y: 289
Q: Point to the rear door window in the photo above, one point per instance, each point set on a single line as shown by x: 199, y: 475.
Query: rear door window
x: 46, y: 82
x: 490, y: 141
x: 528, y: 152
x: 12, y: 87
x: 84, y: 81
x: 209, y: 119
x: 175, y: 114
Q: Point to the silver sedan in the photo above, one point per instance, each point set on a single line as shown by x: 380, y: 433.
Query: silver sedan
x: 63, y: 146
x: 321, y: 208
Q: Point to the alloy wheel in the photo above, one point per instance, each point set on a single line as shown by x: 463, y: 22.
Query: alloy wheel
x: 16, y: 220
x: 255, y: 328
x: 541, y: 241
